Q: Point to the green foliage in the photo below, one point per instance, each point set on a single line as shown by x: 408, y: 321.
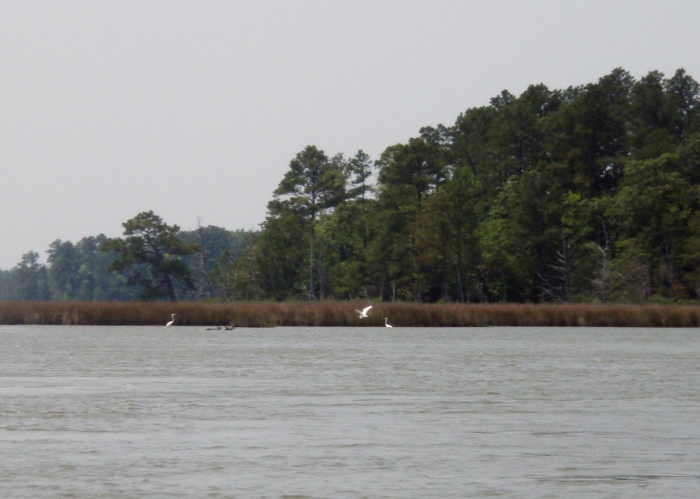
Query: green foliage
x: 312, y: 186
x: 150, y: 257
x: 79, y: 272
x: 28, y: 281
x: 216, y: 245
x: 583, y: 194
x: 586, y: 194
x: 235, y: 276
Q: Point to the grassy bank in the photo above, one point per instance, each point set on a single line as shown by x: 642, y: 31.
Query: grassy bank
x: 343, y: 314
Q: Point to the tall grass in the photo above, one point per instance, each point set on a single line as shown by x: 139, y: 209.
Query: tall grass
x: 265, y: 314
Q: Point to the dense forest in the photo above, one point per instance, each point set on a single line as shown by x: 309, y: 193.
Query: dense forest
x: 588, y: 194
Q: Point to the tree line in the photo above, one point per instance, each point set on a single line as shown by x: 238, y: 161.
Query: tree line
x: 105, y: 269
x: 583, y: 194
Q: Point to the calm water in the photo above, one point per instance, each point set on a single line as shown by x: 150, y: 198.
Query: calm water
x: 342, y: 413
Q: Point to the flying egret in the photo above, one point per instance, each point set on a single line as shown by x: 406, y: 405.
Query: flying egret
x: 386, y: 323
x: 363, y: 312
x: 171, y: 322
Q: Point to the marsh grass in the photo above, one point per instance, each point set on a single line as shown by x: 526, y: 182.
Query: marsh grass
x: 266, y: 314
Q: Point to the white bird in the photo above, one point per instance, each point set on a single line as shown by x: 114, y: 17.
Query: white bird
x: 171, y: 322
x: 386, y: 323
x: 363, y: 312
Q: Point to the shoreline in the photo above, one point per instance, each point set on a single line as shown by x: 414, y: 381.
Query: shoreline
x: 271, y: 314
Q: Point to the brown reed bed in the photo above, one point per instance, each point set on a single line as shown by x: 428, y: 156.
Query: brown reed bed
x: 267, y: 314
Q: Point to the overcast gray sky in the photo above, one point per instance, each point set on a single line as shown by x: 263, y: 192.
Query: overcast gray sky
x: 194, y: 109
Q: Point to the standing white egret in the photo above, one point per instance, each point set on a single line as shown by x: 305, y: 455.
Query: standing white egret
x: 363, y: 312
x: 171, y: 322
x: 386, y: 323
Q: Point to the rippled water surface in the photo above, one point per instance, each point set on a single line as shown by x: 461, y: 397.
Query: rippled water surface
x: 342, y: 413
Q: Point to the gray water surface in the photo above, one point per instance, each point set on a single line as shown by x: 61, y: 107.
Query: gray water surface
x: 146, y: 412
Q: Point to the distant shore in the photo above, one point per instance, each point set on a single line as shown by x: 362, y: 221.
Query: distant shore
x: 267, y: 314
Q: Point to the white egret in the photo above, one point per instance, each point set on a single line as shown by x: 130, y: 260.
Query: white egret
x: 363, y: 312
x: 171, y: 322
x: 386, y: 323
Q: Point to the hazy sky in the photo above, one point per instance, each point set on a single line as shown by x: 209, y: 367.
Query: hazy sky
x: 194, y: 109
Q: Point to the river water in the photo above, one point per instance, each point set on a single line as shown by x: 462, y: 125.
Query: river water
x: 182, y: 412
